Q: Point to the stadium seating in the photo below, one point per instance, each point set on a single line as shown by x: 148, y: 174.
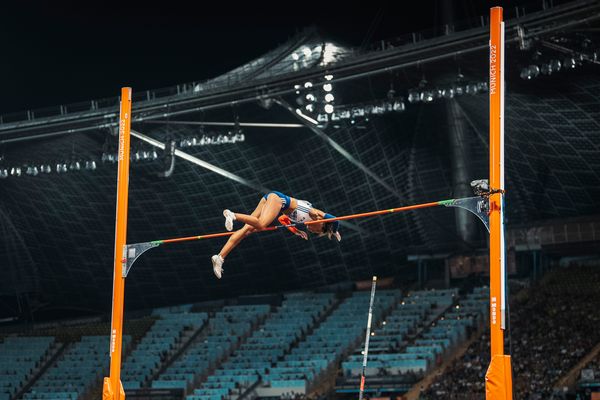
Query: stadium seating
x: 336, y: 335
x: 254, y: 360
x: 161, y: 340
x: 19, y: 359
x: 224, y: 331
x: 77, y: 369
x: 397, y: 347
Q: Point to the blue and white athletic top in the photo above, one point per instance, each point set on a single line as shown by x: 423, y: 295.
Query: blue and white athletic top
x: 301, y: 213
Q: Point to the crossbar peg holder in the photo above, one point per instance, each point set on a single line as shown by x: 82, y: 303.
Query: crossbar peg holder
x: 478, y: 206
x: 132, y: 253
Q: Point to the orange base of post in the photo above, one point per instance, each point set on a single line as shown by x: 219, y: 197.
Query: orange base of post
x: 109, y: 394
x: 498, y: 379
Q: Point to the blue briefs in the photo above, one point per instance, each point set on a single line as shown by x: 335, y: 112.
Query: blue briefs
x: 285, y: 204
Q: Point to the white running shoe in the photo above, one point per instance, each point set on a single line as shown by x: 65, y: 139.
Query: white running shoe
x: 217, y: 262
x: 229, y: 218
x: 337, y: 236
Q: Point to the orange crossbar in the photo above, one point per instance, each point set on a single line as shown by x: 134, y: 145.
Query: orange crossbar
x: 113, y: 389
x: 343, y: 218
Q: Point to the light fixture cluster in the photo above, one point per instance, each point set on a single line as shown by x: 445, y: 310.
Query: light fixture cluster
x: 552, y: 66
x: 395, y: 104
x: 425, y: 94
x: 316, y: 98
x: 135, y: 156
x: 559, y: 53
x: 212, y: 139
x: 326, y: 53
x: 60, y: 167
x: 363, y: 110
x: 306, y: 53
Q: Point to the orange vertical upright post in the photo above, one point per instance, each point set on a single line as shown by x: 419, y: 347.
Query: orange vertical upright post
x: 499, y: 376
x: 113, y: 389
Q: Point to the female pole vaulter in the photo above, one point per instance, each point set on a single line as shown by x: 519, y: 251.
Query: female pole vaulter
x: 270, y: 206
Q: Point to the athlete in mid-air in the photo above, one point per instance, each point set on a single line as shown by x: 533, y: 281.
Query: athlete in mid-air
x: 294, y: 211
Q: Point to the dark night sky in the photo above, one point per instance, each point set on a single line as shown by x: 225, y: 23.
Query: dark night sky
x: 55, y: 53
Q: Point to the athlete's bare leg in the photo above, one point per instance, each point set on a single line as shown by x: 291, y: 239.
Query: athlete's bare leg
x: 268, y: 213
x: 240, y: 234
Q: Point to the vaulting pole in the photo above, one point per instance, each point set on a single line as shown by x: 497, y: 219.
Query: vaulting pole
x: 113, y: 389
x: 499, y: 376
x: 367, y: 337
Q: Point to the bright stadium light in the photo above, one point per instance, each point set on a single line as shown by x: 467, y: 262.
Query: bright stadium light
x: 329, y: 53
x: 308, y: 84
x: 358, y: 112
x: 307, y: 52
x: 427, y: 96
x: 328, y: 108
x: 448, y: 93
x: 413, y: 97
x: 569, y: 63
x: 534, y: 70
x: 377, y: 110
x: 328, y: 87
x: 398, y: 106
x: 471, y: 88
x: 329, y: 97
x: 295, y: 56
x: 546, y: 69
x: 322, y: 118
x: 328, y: 77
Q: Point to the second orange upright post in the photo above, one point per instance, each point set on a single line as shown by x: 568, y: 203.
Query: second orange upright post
x: 498, y: 385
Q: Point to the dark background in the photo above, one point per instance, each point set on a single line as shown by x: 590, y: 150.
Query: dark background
x: 63, y: 52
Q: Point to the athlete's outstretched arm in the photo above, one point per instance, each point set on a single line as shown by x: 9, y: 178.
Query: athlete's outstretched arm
x: 285, y: 220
